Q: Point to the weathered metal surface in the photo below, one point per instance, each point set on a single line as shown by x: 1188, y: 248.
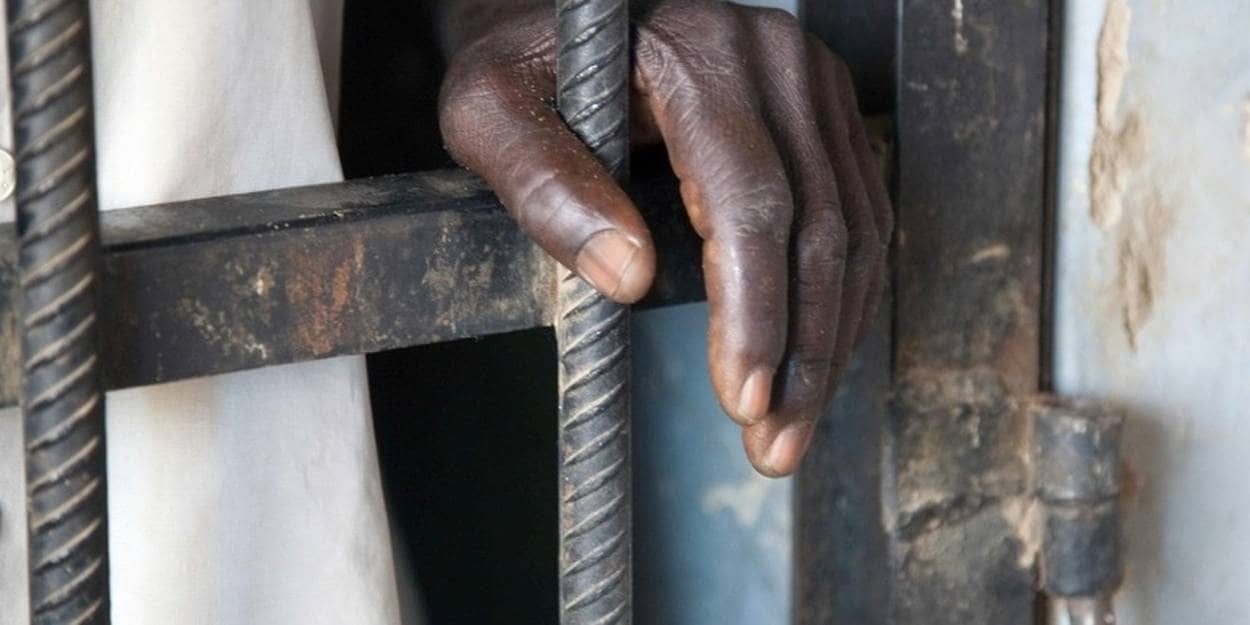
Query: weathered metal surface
x: 971, y: 176
x: 1075, y: 452
x: 592, y: 338
x: 239, y: 282
x: 959, y: 480
x: 58, y: 261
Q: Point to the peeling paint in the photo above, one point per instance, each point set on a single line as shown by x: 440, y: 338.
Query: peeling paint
x: 1112, y: 59
x: 1140, y: 264
x: 1112, y: 153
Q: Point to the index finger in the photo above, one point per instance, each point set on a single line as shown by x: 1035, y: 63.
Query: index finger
x: 498, y: 121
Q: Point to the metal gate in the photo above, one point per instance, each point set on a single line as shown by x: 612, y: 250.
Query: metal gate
x: 916, y: 502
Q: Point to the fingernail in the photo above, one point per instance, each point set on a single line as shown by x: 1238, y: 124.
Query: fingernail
x: 788, y: 448
x: 606, y: 260
x: 755, y: 394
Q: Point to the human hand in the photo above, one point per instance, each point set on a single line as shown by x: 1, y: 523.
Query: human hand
x: 762, y: 128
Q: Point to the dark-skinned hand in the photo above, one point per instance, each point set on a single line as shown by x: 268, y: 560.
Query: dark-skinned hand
x: 761, y: 126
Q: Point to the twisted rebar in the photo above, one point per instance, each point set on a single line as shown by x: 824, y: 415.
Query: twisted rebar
x: 58, y: 263
x: 593, y: 336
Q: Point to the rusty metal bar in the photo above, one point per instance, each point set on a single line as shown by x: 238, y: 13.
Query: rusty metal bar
x: 971, y: 203
x: 592, y: 335
x: 58, y: 263
x: 222, y: 284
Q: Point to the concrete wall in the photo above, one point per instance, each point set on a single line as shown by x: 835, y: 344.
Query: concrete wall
x: 1153, y: 284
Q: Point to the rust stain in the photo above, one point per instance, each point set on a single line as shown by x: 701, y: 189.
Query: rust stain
x: 1016, y: 354
x: 1130, y: 483
x: 323, y: 301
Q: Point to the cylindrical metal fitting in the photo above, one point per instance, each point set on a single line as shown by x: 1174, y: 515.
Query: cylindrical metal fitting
x: 1076, y: 450
x: 1081, y: 549
x: 1076, y: 473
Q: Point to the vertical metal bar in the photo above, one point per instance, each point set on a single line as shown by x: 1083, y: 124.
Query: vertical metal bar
x: 592, y: 333
x: 59, y: 267
x: 961, y: 353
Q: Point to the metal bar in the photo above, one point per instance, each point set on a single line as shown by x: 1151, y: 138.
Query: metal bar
x: 59, y: 272
x: 592, y: 335
x: 971, y: 111
x: 239, y: 282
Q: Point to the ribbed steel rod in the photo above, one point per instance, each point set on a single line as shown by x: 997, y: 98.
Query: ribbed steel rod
x: 592, y: 332
x: 58, y: 265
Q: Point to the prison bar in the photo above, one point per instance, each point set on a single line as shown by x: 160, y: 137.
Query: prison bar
x: 223, y: 284
x: 58, y: 267
x: 596, y: 541
x: 215, y: 285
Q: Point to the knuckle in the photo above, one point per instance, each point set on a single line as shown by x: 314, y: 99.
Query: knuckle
x: 865, y: 245
x: 821, y: 247
x: 825, y: 229
x: 766, y: 225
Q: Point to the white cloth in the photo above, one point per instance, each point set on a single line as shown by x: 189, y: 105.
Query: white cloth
x: 251, y: 497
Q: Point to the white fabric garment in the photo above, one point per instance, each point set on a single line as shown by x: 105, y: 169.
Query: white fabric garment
x: 251, y: 497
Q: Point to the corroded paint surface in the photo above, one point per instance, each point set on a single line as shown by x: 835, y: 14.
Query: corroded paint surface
x: 1151, y: 294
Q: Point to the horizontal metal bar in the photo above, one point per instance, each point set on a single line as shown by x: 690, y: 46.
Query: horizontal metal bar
x: 238, y: 282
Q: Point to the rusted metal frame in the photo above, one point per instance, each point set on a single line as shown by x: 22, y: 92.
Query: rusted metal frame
x: 239, y: 282
x: 971, y: 111
x: 57, y: 318
x: 592, y: 337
